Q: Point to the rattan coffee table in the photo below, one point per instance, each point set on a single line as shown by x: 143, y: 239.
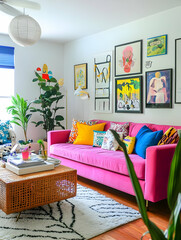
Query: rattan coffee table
x: 18, y: 193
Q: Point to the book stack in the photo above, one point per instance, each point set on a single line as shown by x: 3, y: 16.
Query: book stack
x: 35, y: 164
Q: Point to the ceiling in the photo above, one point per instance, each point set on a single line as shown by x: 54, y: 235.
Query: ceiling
x: 66, y: 20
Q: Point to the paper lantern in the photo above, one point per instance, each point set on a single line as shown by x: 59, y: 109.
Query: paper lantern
x: 24, y: 30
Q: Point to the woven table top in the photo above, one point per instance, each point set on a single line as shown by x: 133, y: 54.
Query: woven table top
x: 7, y: 176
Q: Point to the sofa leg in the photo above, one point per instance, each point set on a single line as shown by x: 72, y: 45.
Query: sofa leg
x: 147, y: 205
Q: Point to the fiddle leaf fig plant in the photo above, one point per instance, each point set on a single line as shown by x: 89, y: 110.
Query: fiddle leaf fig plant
x: 20, y: 113
x: 48, y: 103
x: 174, y: 196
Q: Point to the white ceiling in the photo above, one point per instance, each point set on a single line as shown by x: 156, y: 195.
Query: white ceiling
x: 66, y: 20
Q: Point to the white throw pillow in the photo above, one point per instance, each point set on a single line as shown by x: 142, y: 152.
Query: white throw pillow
x: 109, y: 141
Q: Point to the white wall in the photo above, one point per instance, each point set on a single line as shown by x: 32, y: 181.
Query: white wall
x: 84, y: 50
x: 26, y: 61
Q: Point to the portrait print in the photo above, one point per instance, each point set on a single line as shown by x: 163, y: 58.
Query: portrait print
x: 159, y: 89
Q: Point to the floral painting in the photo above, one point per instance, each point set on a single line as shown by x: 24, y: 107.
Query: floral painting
x: 80, y: 76
x: 159, y: 89
x: 157, y: 46
x: 128, y: 58
x: 129, y: 94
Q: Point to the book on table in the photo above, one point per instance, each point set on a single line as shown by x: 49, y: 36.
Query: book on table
x: 31, y: 169
x: 27, y: 163
x: 35, y: 164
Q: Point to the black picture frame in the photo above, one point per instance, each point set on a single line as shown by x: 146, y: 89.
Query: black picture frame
x: 158, y: 88
x: 132, y: 65
x: 177, y: 71
x: 132, y: 103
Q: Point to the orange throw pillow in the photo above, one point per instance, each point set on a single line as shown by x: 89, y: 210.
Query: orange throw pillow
x: 86, y: 134
x: 74, y: 130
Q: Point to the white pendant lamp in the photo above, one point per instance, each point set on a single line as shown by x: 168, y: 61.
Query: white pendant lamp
x: 24, y: 30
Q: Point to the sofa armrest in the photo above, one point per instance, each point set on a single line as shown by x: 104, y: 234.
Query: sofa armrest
x: 157, y: 169
x: 57, y: 136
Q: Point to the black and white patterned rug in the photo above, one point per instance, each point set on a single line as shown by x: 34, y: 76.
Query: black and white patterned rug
x: 82, y: 217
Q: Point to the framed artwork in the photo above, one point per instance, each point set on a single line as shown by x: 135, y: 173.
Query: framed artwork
x: 128, y: 58
x: 80, y: 76
x: 159, y: 89
x: 128, y: 95
x: 177, y: 71
x: 157, y: 46
x: 103, y: 83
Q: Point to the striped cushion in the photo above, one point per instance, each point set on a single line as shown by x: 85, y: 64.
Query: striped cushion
x: 169, y: 137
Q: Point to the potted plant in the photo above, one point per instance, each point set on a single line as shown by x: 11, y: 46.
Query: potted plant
x: 48, y: 102
x: 42, y: 151
x: 20, y: 114
x: 174, y: 196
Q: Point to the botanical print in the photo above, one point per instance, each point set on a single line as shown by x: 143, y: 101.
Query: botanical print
x: 129, y: 94
x: 103, y: 83
x: 158, y: 88
x: 128, y: 58
x: 80, y: 76
x: 157, y: 46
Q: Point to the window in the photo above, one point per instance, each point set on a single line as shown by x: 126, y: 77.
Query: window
x: 6, y: 79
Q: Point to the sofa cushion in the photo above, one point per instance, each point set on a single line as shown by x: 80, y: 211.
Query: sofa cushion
x: 74, y: 130
x: 135, y: 127
x: 4, y: 132
x: 98, y: 138
x: 146, y: 138
x: 130, y: 143
x: 109, y: 141
x: 169, y: 137
x: 98, y: 157
x: 124, y: 128
x: 85, y: 133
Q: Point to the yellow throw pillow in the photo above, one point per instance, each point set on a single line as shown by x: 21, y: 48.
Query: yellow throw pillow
x: 86, y: 134
x: 129, y: 142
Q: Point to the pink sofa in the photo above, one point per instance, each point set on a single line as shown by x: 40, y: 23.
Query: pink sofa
x: 109, y: 167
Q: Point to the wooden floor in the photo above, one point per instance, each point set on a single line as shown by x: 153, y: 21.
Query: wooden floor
x: 158, y: 213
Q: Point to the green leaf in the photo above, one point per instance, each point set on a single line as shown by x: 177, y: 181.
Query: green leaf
x: 35, y: 80
x: 174, y: 183
x: 155, y: 232
x: 57, y: 108
x: 15, y: 122
x: 38, y: 101
x: 52, y: 80
x: 59, y: 118
x: 39, y: 123
x: 39, y: 77
x: 60, y: 125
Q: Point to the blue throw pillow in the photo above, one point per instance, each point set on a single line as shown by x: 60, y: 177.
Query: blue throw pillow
x: 146, y: 138
x: 4, y: 133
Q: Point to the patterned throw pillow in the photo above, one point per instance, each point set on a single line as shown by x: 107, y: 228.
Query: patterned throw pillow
x: 124, y: 128
x: 4, y: 133
x: 129, y: 142
x: 98, y: 138
x: 109, y: 141
x: 169, y: 137
x: 74, y: 130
